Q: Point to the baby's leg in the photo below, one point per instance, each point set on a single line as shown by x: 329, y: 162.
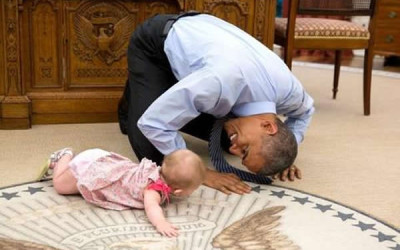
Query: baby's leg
x: 64, y: 181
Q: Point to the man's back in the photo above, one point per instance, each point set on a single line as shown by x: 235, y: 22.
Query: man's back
x: 203, y: 41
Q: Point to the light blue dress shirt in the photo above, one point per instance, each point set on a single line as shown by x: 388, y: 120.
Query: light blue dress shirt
x: 220, y: 69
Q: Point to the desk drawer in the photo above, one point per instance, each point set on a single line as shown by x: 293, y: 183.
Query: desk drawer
x: 389, y: 14
x: 387, y: 38
x: 389, y: 2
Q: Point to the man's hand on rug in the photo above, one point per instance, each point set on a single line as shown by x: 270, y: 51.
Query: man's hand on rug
x: 226, y: 183
x: 290, y: 174
x: 167, y: 229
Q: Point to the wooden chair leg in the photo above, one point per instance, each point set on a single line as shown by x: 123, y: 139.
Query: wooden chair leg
x: 288, y: 56
x: 368, y: 60
x: 338, y: 59
x: 290, y: 33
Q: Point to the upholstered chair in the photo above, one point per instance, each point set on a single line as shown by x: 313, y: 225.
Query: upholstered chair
x: 313, y: 32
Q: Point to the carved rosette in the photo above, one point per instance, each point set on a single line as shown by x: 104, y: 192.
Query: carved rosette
x: 11, y: 42
x: 260, y: 19
x: 225, y: 9
x: 181, y: 4
x: 191, y: 5
x: 209, y: 5
x: 153, y: 8
x: 51, y: 2
x: 102, y: 29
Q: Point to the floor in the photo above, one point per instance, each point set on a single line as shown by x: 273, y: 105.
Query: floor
x: 354, y: 61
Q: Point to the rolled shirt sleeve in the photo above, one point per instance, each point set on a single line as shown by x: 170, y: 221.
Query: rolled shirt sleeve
x: 298, y: 107
x: 196, y: 93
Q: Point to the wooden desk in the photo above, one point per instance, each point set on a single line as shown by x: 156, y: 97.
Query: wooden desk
x: 51, y: 72
x: 387, y: 28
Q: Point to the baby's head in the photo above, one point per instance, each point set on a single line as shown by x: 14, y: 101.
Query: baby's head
x: 183, y: 171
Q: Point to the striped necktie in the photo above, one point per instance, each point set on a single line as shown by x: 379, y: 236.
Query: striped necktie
x: 217, y: 157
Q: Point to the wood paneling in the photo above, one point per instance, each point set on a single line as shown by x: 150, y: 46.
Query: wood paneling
x: 255, y: 17
x: 239, y: 13
x: 15, y: 109
x: 64, y: 61
x: 2, y: 39
x: 74, y: 118
x: 97, y: 37
x: 12, y: 79
x: 46, y: 45
x: 15, y: 123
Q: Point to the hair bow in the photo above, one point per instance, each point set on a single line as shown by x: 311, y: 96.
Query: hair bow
x: 161, y: 186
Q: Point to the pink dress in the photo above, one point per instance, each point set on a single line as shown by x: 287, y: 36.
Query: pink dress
x: 112, y: 181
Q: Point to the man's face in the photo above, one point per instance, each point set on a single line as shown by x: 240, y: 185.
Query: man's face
x: 246, y: 134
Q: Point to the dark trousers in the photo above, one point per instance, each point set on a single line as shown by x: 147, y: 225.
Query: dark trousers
x: 150, y: 75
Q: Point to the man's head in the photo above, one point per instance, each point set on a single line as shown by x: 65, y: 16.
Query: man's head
x: 183, y: 171
x: 263, y: 142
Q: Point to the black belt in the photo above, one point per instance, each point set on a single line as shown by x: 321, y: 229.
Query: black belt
x: 172, y: 20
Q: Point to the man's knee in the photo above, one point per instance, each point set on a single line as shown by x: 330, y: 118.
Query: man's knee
x: 143, y: 147
x: 123, y: 110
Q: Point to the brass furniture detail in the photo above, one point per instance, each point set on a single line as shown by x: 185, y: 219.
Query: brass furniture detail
x: 64, y: 61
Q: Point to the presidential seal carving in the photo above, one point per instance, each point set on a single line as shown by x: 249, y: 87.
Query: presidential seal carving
x: 270, y: 217
x: 102, y: 30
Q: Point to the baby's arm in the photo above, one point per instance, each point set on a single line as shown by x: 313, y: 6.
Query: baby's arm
x: 155, y: 214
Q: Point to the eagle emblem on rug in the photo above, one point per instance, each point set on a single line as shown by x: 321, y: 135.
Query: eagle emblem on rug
x: 102, y: 31
x: 256, y: 231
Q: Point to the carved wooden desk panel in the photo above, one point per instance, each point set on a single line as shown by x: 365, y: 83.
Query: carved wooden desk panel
x: 65, y: 61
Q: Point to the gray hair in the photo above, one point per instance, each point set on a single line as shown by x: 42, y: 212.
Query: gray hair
x: 279, y: 150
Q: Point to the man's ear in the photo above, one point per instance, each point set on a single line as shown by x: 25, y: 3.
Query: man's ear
x: 269, y: 127
x: 177, y: 191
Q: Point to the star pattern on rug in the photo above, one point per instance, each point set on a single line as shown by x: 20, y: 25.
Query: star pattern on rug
x: 280, y: 194
x: 397, y: 247
x: 344, y: 216
x: 384, y: 237
x: 323, y: 208
x: 9, y: 196
x: 364, y: 226
x: 257, y: 189
x: 33, y: 190
x: 302, y: 201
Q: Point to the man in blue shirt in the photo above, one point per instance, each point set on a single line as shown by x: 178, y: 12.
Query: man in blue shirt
x: 185, y: 72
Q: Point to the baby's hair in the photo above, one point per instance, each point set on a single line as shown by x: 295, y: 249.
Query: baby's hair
x: 183, y: 169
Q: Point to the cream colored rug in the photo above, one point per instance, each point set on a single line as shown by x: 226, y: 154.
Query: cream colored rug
x: 349, y: 198
x: 270, y: 217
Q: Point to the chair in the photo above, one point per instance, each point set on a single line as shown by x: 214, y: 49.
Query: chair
x: 329, y: 34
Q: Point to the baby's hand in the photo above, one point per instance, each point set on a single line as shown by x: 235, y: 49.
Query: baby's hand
x: 167, y: 229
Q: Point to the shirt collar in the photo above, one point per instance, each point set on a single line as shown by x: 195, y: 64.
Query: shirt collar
x: 254, y: 108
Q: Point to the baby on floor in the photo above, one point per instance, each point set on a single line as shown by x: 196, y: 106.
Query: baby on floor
x: 112, y: 181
